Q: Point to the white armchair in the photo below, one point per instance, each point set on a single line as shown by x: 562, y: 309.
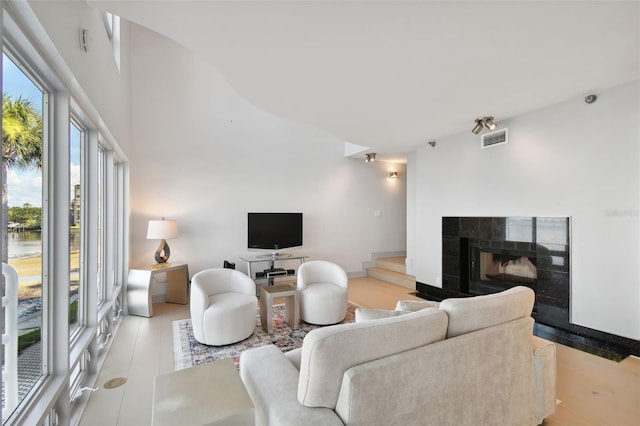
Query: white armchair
x: 323, y: 292
x: 223, y: 306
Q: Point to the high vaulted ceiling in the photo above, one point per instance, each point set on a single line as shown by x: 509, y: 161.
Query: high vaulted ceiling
x: 393, y: 75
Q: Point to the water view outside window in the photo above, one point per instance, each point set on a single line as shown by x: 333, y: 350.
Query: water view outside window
x: 22, y: 196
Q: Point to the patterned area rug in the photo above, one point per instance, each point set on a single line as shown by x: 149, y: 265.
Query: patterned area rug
x: 189, y: 352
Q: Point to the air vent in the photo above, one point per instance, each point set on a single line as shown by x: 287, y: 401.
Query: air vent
x: 492, y: 139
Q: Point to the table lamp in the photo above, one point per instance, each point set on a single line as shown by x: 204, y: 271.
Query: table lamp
x: 161, y: 230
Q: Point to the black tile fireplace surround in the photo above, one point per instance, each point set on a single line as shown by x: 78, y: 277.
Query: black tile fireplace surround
x: 482, y: 255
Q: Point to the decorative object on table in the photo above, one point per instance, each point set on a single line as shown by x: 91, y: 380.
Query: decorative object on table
x: 223, y: 306
x: 162, y: 230
x: 189, y: 352
x: 323, y: 292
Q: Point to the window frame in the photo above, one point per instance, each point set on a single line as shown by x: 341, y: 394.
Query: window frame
x: 83, y: 277
x: 13, y: 49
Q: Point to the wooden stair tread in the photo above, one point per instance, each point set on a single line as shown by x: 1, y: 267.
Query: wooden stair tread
x: 390, y: 272
x: 395, y: 263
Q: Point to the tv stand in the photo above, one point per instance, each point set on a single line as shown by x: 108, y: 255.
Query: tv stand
x: 275, y: 255
x: 272, y: 271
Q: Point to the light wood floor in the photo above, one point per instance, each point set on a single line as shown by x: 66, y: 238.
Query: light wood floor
x: 594, y: 391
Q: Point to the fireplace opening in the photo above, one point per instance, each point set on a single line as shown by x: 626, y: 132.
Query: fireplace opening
x: 494, y: 270
x: 506, y: 267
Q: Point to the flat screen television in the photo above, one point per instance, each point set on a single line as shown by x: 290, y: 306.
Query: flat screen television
x: 274, y: 231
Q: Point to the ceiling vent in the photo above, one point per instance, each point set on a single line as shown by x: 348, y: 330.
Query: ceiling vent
x: 492, y: 139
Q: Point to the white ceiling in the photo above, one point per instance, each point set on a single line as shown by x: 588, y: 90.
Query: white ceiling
x: 393, y: 75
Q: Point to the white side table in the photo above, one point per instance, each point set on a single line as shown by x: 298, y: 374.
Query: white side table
x: 211, y: 394
x: 139, y: 286
x: 291, y: 305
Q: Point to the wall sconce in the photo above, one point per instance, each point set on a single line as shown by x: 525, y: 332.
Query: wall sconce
x: 162, y: 230
x: 393, y: 175
x: 370, y: 158
x: 484, y: 122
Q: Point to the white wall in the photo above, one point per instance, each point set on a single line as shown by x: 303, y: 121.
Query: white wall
x: 94, y: 71
x: 410, y: 261
x: 205, y: 157
x: 570, y: 159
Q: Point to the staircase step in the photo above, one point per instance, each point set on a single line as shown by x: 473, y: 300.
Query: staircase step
x: 392, y: 263
x: 393, y: 277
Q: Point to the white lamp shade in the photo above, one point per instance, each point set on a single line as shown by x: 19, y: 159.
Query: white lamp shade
x: 162, y: 229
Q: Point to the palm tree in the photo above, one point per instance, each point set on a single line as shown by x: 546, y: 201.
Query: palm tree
x: 21, y: 148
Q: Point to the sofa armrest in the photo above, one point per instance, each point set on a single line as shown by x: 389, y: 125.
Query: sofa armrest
x: 272, y: 382
x: 544, y: 355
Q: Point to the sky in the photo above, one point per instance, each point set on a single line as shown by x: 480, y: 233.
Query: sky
x: 25, y: 185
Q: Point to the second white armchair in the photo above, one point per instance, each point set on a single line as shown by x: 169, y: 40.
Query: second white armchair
x: 323, y: 292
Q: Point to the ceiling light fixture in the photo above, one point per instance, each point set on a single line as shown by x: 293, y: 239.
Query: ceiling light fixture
x: 484, y: 122
x: 489, y: 123
x: 370, y: 158
x: 478, y: 127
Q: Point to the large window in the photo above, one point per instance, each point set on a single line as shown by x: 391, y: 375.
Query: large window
x: 22, y: 222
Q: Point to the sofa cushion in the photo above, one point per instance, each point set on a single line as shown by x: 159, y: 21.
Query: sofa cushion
x: 365, y: 314
x: 415, y: 305
x: 475, y: 313
x: 330, y: 351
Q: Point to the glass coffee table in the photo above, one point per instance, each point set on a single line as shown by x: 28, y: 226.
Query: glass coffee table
x: 291, y: 305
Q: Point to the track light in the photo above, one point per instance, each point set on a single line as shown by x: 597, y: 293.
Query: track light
x: 370, y: 158
x: 489, y: 123
x: 478, y: 127
x: 484, y: 122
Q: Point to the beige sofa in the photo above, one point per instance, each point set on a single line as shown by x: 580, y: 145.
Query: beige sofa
x: 471, y: 361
